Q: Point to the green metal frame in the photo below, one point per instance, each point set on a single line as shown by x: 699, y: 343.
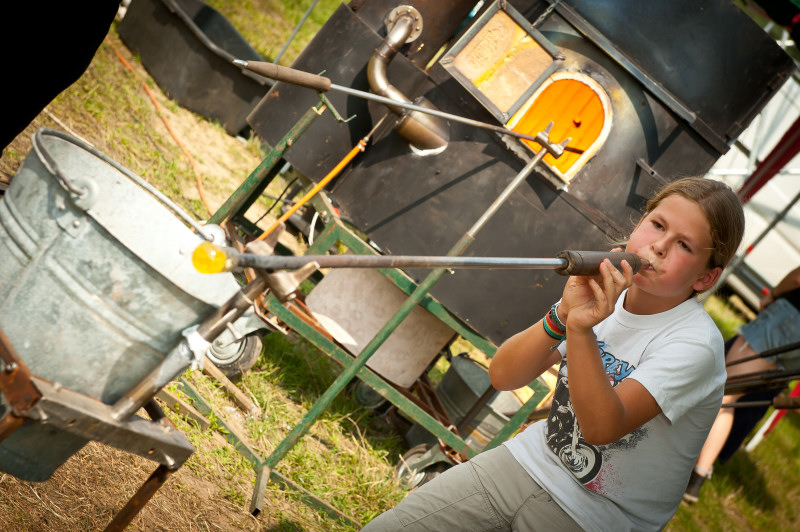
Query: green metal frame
x: 252, y: 187
x: 335, y: 233
x: 262, y: 474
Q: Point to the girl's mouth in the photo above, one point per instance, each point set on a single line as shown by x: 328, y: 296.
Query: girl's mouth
x: 647, y: 265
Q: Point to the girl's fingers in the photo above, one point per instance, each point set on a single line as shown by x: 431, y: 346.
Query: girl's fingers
x: 601, y: 292
x: 623, y: 278
x: 601, y: 300
x: 627, y: 270
x: 612, y: 278
x: 615, y: 281
x: 610, y: 287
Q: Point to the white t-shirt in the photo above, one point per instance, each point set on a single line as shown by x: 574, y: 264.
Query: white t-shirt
x: 637, y: 482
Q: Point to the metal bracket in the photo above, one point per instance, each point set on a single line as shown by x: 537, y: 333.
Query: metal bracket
x: 285, y: 284
x: 327, y: 103
x: 641, y: 163
x: 89, y: 418
x: 68, y: 217
x: 51, y: 404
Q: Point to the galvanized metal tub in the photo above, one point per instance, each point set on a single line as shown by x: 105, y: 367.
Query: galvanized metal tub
x: 462, y: 385
x: 96, y: 284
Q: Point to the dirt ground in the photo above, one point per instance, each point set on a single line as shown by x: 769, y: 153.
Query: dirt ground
x: 91, y: 487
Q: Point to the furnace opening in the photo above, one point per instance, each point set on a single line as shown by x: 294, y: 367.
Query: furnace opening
x: 578, y: 107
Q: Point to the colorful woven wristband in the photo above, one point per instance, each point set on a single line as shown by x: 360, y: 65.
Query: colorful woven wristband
x: 552, y: 324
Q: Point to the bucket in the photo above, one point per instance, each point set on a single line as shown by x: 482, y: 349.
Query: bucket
x: 96, y: 284
x: 461, y: 387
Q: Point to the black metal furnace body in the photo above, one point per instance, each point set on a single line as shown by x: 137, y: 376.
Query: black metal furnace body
x: 673, y: 83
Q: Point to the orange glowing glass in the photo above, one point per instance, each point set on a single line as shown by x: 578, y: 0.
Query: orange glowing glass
x: 576, y: 111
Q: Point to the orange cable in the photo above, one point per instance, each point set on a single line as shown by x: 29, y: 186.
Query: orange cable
x: 361, y: 146
x: 161, y: 114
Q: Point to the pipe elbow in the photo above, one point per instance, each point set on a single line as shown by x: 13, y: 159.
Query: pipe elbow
x: 424, y: 132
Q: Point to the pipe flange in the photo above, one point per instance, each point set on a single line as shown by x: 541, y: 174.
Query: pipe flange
x: 405, y: 11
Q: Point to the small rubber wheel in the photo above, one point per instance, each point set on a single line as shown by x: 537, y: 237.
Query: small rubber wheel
x: 411, y: 477
x: 236, y: 358
x: 369, y: 398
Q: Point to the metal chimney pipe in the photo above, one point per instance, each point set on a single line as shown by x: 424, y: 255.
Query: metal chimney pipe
x: 422, y: 131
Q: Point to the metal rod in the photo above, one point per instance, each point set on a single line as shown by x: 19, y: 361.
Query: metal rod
x: 139, y: 499
x: 744, y: 172
x: 565, y: 263
x: 296, y: 30
x: 767, y: 353
x: 285, y: 74
x: 747, y: 404
x: 755, y: 387
x: 505, y: 194
x: 482, y: 401
x: 441, y: 114
x: 781, y: 402
x: 290, y: 262
x: 768, y: 380
x: 770, y: 374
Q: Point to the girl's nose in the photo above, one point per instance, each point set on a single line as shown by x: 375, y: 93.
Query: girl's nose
x: 659, y: 247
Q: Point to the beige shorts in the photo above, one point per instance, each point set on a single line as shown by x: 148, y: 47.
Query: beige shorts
x: 489, y: 492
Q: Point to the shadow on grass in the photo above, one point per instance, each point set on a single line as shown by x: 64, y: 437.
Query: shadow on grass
x: 305, y: 373
x: 744, y: 476
x: 792, y: 417
x: 286, y: 526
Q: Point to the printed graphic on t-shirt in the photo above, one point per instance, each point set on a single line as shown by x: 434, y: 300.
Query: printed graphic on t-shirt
x: 563, y: 434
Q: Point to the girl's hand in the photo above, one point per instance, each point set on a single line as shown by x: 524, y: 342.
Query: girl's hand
x: 587, y: 301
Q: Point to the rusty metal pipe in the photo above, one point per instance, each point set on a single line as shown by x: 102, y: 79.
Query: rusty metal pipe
x: 16, y: 386
x: 124, y: 517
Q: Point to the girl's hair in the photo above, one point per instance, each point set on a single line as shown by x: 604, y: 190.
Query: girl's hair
x: 722, y: 208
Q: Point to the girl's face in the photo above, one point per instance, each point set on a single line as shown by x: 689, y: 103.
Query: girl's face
x: 676, y: 238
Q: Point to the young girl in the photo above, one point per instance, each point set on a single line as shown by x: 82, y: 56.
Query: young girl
x: 640, y: 382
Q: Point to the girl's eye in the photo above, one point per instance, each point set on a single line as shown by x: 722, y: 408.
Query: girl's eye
x: 657, y: 225
x: 684, y: 245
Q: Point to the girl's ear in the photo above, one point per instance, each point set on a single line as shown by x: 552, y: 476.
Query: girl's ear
x: 707, y: 280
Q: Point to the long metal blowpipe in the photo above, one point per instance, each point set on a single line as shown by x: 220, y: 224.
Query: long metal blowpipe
x: 323, y: 84
x: 209, y: 258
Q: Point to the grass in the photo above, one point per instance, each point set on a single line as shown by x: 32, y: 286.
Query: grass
x: 752, y: 491
x: 345, y: 457
x: 280, y: 17
x: 348, y: 456
x: 726, y: 317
